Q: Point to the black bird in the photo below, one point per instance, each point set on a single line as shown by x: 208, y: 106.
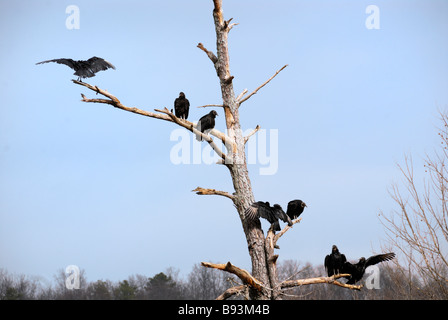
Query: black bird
x: 206, y: 123
x: 264, y: 210
x: 334, y: 261
x: 295, y: 208
x: 357, y: 270
x: 84, y: 68
x: 181, y: 106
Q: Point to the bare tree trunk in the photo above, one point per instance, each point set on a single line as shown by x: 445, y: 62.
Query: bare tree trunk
x: 236, y: 159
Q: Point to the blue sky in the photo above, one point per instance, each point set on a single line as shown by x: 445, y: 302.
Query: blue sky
x: 93, y: 186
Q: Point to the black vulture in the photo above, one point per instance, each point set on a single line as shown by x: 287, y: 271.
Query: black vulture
x: 357, y: 270
x: 84, y: 68
x: 264, y: 210
x: 206, y: 123
x: 295, y: 208
x: 334, y: 261
x: 181, y: 106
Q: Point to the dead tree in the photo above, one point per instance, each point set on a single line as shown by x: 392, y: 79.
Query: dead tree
x: 418, y: 228
x: 263, y: 282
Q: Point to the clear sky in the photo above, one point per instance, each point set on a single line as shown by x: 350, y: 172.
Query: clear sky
x: 94, y: 186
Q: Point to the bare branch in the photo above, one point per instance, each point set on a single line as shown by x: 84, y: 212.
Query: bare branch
x: 190, y: 126
x: 229, y: 26
x: 242, y: 94
x: 98, y: 90
x: 211, y: 105
x: 245, y: 276
x: 210, y: 54
x: 272, y: 238
x: 282, y: 232
x: 265, y: 83
x: 116, y: 103
x: 246, y: 138
x: 231, y: 292
x: 330, y: 280
x: 106, y: 101
x: 166, y: 115
x: 296, y: 273
x: 202, y: 191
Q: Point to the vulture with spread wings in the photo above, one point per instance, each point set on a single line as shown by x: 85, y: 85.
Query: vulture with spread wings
x: 264, y: 210
x: 357, y: 270
x: 84, y: 68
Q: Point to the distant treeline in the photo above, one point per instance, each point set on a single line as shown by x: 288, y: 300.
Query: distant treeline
x: 205, y: 284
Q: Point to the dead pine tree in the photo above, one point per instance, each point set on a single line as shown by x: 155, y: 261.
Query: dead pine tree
x: 262, y: 283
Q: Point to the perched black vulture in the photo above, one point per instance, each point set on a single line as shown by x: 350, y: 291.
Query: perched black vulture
x: 181, y: 106
x: 264, y: 210
x: 334, y: 261
x: 295, y: 208
x: 357, y: 270
x: 84, y: 68
x: 206, y: 123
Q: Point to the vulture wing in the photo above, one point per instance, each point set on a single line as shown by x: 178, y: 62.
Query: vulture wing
x: 280, y: 214
x: 96, y: 64
x: 68, y: 62
x: 329, y: 265
x: 379, y: 258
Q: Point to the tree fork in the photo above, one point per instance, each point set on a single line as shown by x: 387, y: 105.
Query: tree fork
x: 237, y: 165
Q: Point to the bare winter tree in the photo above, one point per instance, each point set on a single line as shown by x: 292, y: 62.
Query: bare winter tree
x: 18, y: 287
x: 205, y: 283
x: 419, y: 227
x: 262, y: 282
x: 62, y: 292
